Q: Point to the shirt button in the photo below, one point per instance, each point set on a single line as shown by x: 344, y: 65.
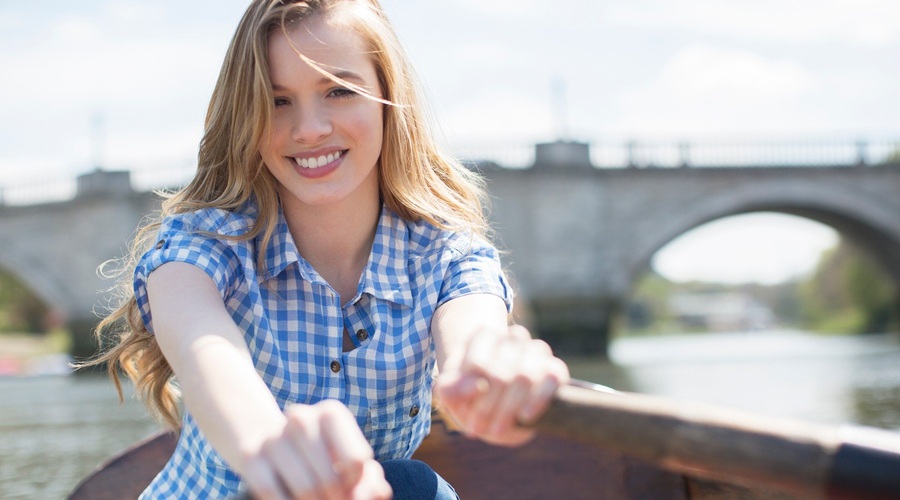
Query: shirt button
x: 414, y: 411
x: 335, y: 366
x: 160, y: 243
x: 362, y: 334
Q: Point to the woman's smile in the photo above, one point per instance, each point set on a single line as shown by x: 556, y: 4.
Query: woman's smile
x: 319, y: 164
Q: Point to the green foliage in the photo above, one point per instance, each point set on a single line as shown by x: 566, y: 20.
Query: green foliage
x: 847, y: 293
x: 893, y: 158
x: 20, y: 309
x: 647, y: 311
x: 850, y: 293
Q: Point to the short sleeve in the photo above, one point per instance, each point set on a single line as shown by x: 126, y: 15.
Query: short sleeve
x: 179, y: 240
x: 475, y: 268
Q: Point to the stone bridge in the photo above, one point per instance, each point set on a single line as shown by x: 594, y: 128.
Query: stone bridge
x: 56, y: 248
x: 577, y: 236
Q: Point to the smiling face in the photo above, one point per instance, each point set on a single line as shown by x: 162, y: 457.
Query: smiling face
x: 324, y: 139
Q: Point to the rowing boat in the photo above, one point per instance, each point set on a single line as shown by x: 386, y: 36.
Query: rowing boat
x: 547, y: 468
x: 592, y: 445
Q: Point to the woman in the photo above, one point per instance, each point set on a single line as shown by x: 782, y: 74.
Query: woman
x: 302, y: 287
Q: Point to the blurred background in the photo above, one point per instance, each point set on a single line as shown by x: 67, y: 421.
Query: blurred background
x: 762, y: 310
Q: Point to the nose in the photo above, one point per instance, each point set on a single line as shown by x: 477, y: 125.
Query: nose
x: 311, y: 123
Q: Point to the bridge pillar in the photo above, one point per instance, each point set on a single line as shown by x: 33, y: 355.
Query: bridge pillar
x: 562, y: 155
x: 104, y: 183
x: 84, y: 344
x: 574, y: 325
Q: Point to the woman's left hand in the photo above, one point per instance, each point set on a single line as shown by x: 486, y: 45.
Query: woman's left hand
x: 498, y: 381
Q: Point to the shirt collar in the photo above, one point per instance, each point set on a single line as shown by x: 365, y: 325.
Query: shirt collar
x: 282, y: 252
x: 386, y: 275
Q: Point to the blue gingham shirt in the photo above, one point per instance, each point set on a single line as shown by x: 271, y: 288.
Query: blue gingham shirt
x: 293, y: 323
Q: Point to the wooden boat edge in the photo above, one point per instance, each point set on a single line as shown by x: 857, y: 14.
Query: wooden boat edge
x: 549, y: 467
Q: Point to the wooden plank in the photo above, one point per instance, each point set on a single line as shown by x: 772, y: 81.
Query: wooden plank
x: 128, y: 473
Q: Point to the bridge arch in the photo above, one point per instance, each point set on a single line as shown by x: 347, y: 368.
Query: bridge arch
x: 26, y: 267
x: 866, y: 225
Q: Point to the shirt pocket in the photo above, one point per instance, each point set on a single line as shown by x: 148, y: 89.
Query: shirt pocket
x: 396, y: 423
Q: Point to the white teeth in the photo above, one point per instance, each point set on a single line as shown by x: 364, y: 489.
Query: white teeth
x: 318, y: 162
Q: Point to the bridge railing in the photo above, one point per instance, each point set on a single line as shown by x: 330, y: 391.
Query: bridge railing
x: 604, y: 154
x: 161, y: 178
x: 33, y: 192
x: 748, y: 154
x: 619, y: 154
x: 39, y: 192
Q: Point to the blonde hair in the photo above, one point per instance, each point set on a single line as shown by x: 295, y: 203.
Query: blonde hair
x: 417, y: 180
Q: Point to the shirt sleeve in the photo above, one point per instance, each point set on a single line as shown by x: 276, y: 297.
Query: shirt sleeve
x: 475, y: 268
x: 179, y: 240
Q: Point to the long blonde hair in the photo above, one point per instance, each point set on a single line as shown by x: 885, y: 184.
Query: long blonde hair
x: 417, y: 180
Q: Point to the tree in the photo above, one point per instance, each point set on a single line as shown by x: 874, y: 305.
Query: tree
x: 20, y: 309
x: 849, y: 293
x: 893, y: 158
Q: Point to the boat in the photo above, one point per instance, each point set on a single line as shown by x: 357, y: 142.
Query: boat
x: 596, y: 445
x: 547, y: 468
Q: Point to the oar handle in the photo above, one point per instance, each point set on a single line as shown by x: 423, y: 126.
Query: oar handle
x: 731, y: 446
x: 866, y: 465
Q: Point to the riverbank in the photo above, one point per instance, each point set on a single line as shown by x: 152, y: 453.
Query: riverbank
x: 23, y: 354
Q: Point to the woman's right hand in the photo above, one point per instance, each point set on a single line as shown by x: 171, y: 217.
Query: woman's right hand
x: 320, y: 453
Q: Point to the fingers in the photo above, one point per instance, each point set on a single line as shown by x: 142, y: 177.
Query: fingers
x: 499, y: 382
x: 558, y: 374
x: 290, y: 470
x: 348, y: 448
x: 263, y: 480
x: 305, y: 441
x: 321, y: 454
x: 372, y: 484
x: 496, y: 362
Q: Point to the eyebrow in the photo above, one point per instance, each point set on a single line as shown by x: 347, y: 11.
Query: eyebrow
x: 342, y: 75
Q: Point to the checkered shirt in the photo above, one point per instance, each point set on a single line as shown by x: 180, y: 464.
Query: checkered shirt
x: 293, y: 323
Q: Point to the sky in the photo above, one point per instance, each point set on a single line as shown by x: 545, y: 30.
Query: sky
x: 125, y: 84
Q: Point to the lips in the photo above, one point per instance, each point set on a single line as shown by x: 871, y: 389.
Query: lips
x: 318, y: 164
x: 313, y: 162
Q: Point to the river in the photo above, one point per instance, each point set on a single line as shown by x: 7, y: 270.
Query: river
x: 54, y: 430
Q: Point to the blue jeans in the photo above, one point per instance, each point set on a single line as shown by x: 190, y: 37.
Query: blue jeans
x: 415, y: 480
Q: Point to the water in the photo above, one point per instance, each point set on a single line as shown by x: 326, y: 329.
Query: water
x: 55, y: 430
x: 789, y: 374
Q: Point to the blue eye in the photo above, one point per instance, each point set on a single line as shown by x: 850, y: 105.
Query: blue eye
x: 281, y: 101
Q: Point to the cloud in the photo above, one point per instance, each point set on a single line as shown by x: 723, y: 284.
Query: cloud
x: 703, y: 88
x: 73, y: 30
x: 500, y: 115
x: 698, y: 70
x: 78, y: 65
x: 134, y: 10
x: 869, y: 23
x: 507, y: 9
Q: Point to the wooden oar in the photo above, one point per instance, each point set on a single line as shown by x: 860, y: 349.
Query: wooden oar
x: 811, y: 461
